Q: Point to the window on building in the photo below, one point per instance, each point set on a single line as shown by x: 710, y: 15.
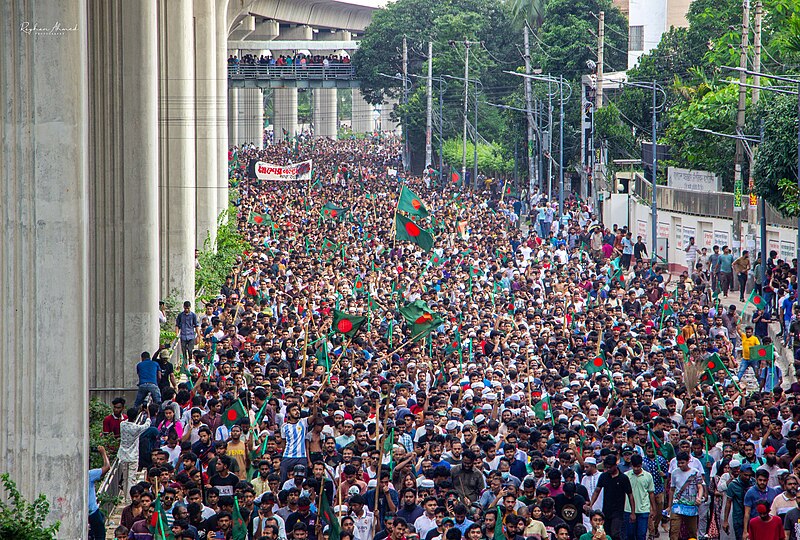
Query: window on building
x: 636, y: 38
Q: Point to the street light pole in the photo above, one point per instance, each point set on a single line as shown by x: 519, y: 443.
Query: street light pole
x: 654, y: 203
x: 561, y: 152
x: 475, y: 148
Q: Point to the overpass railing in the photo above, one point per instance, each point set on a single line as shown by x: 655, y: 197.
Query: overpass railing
x: 307, y: 72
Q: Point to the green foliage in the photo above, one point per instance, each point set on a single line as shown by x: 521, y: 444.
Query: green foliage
x: 713, y: 109
x: 21, y: 520
x: 490, y: 157
x: 167, y: 336
x: 618, y: 137
x: 97, y: 411
x: 216, y: 262
x: 531, y: 11
x: 568, y: 37
x: 775, y: 170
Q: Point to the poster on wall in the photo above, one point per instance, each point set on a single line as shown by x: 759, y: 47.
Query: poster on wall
x: 689, y: 232
x: 641, y: 229
x: 787, y: 252
x: 721, y: 238
x: 663, y: 230
x: 678, y: 237
x: 708, y: 239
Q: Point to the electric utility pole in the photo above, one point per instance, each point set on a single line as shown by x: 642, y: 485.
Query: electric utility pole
x: 598, y: 102
x: 762, y: 206
x: 406, y: 157
x: 529, y: 114
x: 429, y: 119
x: 466, y: 110
x: 738, y: 200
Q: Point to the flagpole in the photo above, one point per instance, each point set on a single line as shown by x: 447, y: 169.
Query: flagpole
x: 305, y: 348
x: 379, y: 466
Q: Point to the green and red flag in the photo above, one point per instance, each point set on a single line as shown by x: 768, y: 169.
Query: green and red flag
x: 475, y: 271
x: 682, y: 344
x: 405, y: 229
x: 657, y: 443
x: 709, y: 434
x: 455, y: 177
x: 234, y: 413
x: 333, y: 211
x: 159, y: 525
x: 259, y: 218
x: 542, y: 408
x: 596, y: 364
x: 329, y: 244
x: 358, y: 285
x: 323, y: 359
x: 713, y: 365
x: 436, y: 260
x: 757, y: 300
x: 420, y: 318
x: 327, y: 514
x: 498, y: 525
x: 454, y: 345
x: 250, y: 289
x: 411, y: 204
x: 239, y: 526
x: 347, y: 324
x: 762, y: 352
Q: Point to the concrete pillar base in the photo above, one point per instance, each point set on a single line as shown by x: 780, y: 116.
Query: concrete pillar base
x: 284, y: 107
x: 362, y: 113
x: 325, y: 118
x: 251, y: 117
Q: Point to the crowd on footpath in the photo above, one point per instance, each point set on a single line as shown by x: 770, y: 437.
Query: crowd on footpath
x: 402, y: 357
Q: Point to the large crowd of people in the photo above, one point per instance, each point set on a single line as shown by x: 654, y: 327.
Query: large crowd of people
x: 529, y: 376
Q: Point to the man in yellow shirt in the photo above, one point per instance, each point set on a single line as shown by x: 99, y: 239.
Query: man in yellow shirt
x: 748, y: 340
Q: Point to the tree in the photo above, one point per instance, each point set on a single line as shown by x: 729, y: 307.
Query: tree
x: 568, y: 37
x: 775, y: 170
x: 530, y: 11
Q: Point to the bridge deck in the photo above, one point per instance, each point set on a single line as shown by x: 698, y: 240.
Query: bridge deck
x: 313, y: 76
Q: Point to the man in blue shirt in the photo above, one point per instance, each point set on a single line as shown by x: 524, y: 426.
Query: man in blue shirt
x: 187, y: 326
x: 97, y: 521
x: 627, y: 251
x: 756, y: 494
x: 149, y: 372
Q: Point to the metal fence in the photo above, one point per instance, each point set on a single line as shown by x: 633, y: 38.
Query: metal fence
x: 700, y: 203
x: 308, y: 72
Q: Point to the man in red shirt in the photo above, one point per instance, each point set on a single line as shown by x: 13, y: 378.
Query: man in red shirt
x: 112, y: 421
x: 765, y: 526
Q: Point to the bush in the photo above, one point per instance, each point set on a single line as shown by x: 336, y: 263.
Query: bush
x: 97, y: 411
x: 21, y: 520
x: 217, y: 261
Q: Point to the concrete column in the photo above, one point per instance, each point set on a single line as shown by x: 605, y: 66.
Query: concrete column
x: 387, y: 124
x: 233, y: 116
x: 325, y: 116
x: 205, y: 87
x: 123, y: 189
x: 44, y: 391
x: 361, y: 121
x: 177, y: 157
x: 284, y: 107
x: 251, y: 116
x: 221, y: 59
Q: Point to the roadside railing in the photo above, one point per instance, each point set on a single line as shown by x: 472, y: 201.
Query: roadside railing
x: 293, y: 72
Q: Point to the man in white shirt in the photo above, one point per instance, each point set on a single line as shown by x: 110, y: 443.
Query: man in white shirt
x: 128, y: 453
x: 363, y: 519
x: 427, y: 521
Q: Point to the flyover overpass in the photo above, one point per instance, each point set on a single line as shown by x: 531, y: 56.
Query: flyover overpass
x: 285, y: 27
x: 114, y: 170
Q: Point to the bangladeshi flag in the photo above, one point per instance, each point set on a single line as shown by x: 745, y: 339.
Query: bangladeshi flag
x: 762, y: 352
x: 454, y: 345
x: 250, y: 289
x: 757, y: 300
x: 327, y: 514
x: 405, y: 229
x: 596, y: 364
x: 411, y: 204
x: 258, y: 218
x: 682, y: 344
x: 542, y: 408
x: 347, y: 324
x: 437, y: 260
x: 234, y: 413
x: 713, y: 365
x: 421, y: 319
x: 455, y: 176
x: 158, y: 522
x: 358, y: 285
x: 332, y: 211
x: 239, y: 526
x: 329, y: 244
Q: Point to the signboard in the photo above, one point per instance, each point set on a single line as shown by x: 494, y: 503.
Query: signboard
x: 690, y: 180
x: 787, y: 252
x: 737, y: 194
x: 663, y: 230
x: 708, y: 239
x: 295, y: 172
x: 753, y: 200
x: 641, y: 229
x: 662, y: 248
x: 689, y: 232
x: 678, y: 237
x: 721, y: 238
x: 773, y: 245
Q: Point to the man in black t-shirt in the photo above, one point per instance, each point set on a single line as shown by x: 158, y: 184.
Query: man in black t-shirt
x: 570, y: 506
x: 224, y: 480
x: 615, y: 487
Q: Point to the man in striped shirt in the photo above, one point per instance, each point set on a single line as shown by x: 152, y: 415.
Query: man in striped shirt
x: 294, y: 431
